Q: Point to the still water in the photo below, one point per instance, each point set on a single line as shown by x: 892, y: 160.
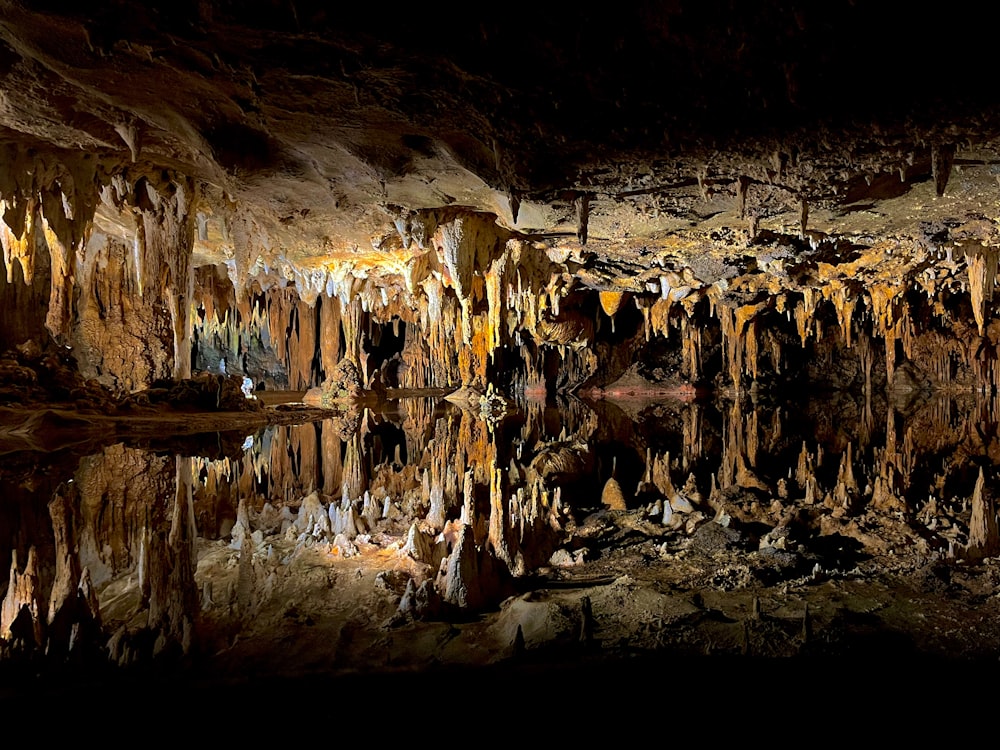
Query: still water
x: 107, y: 544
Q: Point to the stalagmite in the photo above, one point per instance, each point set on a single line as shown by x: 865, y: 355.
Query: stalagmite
x: 313, y: 518
x: 417, y: 545
x: 942, y: 158
x: 847, y: 487
x: 984, y: 537
x: 461, y: 581
x: 582, y: 205
x: 742, y: 187
x: 611, y: 495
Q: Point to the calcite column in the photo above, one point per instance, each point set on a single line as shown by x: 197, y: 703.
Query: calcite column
x: 164, y: 241
x: 329, y: 333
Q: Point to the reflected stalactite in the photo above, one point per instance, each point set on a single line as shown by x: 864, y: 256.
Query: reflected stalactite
x: 739, y: 450
x: 121, y: 493
x: 354, y: 478
x: 22, y: 610
x: 497, y: 503
x: 73, y: 618
x: 332, y: 463
x: 694, y: 447
x: 171, y: 561
x: 329, y: 334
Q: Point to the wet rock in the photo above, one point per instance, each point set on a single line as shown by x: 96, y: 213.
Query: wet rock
x: 343, y: 384
x: 395, y: 582
x: 710, y: 538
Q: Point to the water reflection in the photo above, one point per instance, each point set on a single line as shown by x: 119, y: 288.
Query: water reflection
x: 124, y: 553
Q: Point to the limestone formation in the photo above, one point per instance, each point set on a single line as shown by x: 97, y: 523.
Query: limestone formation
x: 629, y: 250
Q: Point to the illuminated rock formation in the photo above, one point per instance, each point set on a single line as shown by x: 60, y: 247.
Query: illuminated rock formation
x: 357, y: 208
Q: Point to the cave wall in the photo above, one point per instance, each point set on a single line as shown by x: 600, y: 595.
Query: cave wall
x: 121, y: 339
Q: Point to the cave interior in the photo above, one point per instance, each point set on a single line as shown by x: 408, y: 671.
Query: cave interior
x: 586, y: 320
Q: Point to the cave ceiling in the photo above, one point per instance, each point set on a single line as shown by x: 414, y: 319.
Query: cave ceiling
x: 698, y: 136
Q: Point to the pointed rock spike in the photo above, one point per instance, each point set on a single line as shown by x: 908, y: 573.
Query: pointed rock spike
x: 942, y: 159
x: 582, y: 204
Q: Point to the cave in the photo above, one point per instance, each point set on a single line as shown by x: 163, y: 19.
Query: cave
x: 494, y: 343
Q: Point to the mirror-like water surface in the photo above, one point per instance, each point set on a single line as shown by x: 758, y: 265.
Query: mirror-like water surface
x: 380, y: 522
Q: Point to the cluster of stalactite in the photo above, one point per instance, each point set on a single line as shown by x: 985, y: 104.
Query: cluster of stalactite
x: 120, y: 524
x: 472, y: 506
x: 467, y: 302
x: 119, y: 293
x: 466, y: 294
x: 514, y: 314
x: 938, y: 321
x: 112, y: 540
x: 838, y: 467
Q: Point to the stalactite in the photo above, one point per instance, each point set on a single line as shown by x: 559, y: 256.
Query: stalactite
x: 740, y: 348
x: 165, y: 237
x: 882, y: 297
x: 844, y: 303
x: 303, y: 345
x: 18, y: 242
x: 982, y: 270
x: 691, y: 345
x: 805, y: 312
